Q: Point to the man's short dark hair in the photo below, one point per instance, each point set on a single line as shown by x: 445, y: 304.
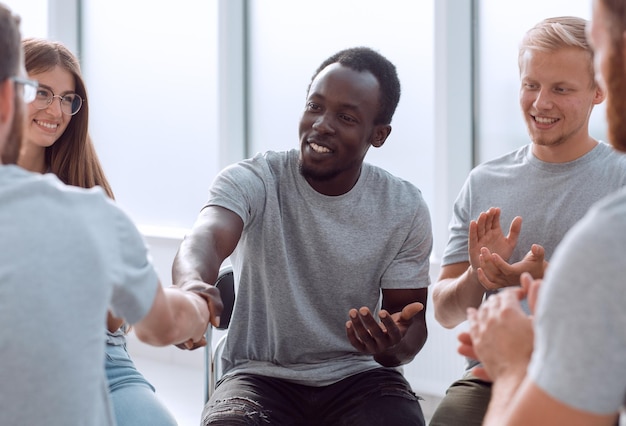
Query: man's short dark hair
x: 366, y: 59
x: 10, y: 39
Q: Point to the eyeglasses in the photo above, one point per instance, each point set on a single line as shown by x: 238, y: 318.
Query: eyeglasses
x: 29, y: 88
x: 70, y: 102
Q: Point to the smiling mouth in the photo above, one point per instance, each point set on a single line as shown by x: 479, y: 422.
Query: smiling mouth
x: 545, y: 120
x: 50, y: 126
x: 318, y: 148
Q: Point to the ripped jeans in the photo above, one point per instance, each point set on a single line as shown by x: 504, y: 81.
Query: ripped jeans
x: 376, y: 397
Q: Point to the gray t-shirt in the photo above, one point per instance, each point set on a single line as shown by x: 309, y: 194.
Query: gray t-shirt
x: 66, y: 255
x: 550, y: 198
x: 580, y: 341
x: 305, y: 259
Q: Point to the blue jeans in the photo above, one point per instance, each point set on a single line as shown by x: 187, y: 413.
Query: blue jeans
x: 132, y: 396
x: 376, y: 397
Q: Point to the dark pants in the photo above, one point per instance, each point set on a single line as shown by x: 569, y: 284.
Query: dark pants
x: 465, y: 403
x: 376, y: 397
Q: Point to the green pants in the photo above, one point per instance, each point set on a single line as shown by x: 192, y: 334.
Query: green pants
x: 465, y: 403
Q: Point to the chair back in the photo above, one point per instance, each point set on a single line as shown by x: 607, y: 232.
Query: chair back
x: 212, y: 357
x: 226, y: 285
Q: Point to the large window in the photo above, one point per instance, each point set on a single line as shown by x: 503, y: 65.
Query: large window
x: 156, y: 87
x: 151, y: 72
x: 33, y: 15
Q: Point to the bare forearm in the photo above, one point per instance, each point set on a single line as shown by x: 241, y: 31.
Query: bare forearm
x: 212, y: 239
x: 113, y: 323
x: 176, y: 316
x: 452, y: 297
x: 195, y: 261
x: 503, y: 393
x: 517, y: 401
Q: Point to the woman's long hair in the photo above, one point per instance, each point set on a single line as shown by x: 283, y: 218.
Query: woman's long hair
x: 72, y: 157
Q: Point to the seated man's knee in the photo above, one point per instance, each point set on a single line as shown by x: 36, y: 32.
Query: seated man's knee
x: 234, y: 411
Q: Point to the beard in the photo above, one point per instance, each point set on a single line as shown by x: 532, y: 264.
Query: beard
x: 12, y: 145
x: 312, y: 174
x: 616, y: 100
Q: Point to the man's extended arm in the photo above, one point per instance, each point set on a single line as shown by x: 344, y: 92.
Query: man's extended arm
x: 176, y: 316
x: 212, y: 239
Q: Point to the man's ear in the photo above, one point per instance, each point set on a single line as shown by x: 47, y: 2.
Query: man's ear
x: 381, y: 132
x: 600, y: 95
x: 7, y: 101
x: 7, y: 110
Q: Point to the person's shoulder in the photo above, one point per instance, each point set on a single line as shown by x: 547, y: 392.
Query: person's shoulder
x: 611, y: 163
x: 382, y: 180
x: 382, y: 174
x: 271, y: 156
x: 76, y: 200
x: 73, y: 203
x: 265, y: 159
x: 278, y: 159
x: 604, y: 224
x: 81, y: 195
x: 492, y: 171
x: 515, y: 157
x: 613, y: 204
x: 606, y: 150
x: 48, y: 185
x: 262, y: 166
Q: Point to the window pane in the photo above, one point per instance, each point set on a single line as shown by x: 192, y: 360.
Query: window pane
x: 151, y: 78
x: 33, y: 14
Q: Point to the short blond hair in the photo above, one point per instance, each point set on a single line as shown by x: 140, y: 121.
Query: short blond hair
x: 557, y: 33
